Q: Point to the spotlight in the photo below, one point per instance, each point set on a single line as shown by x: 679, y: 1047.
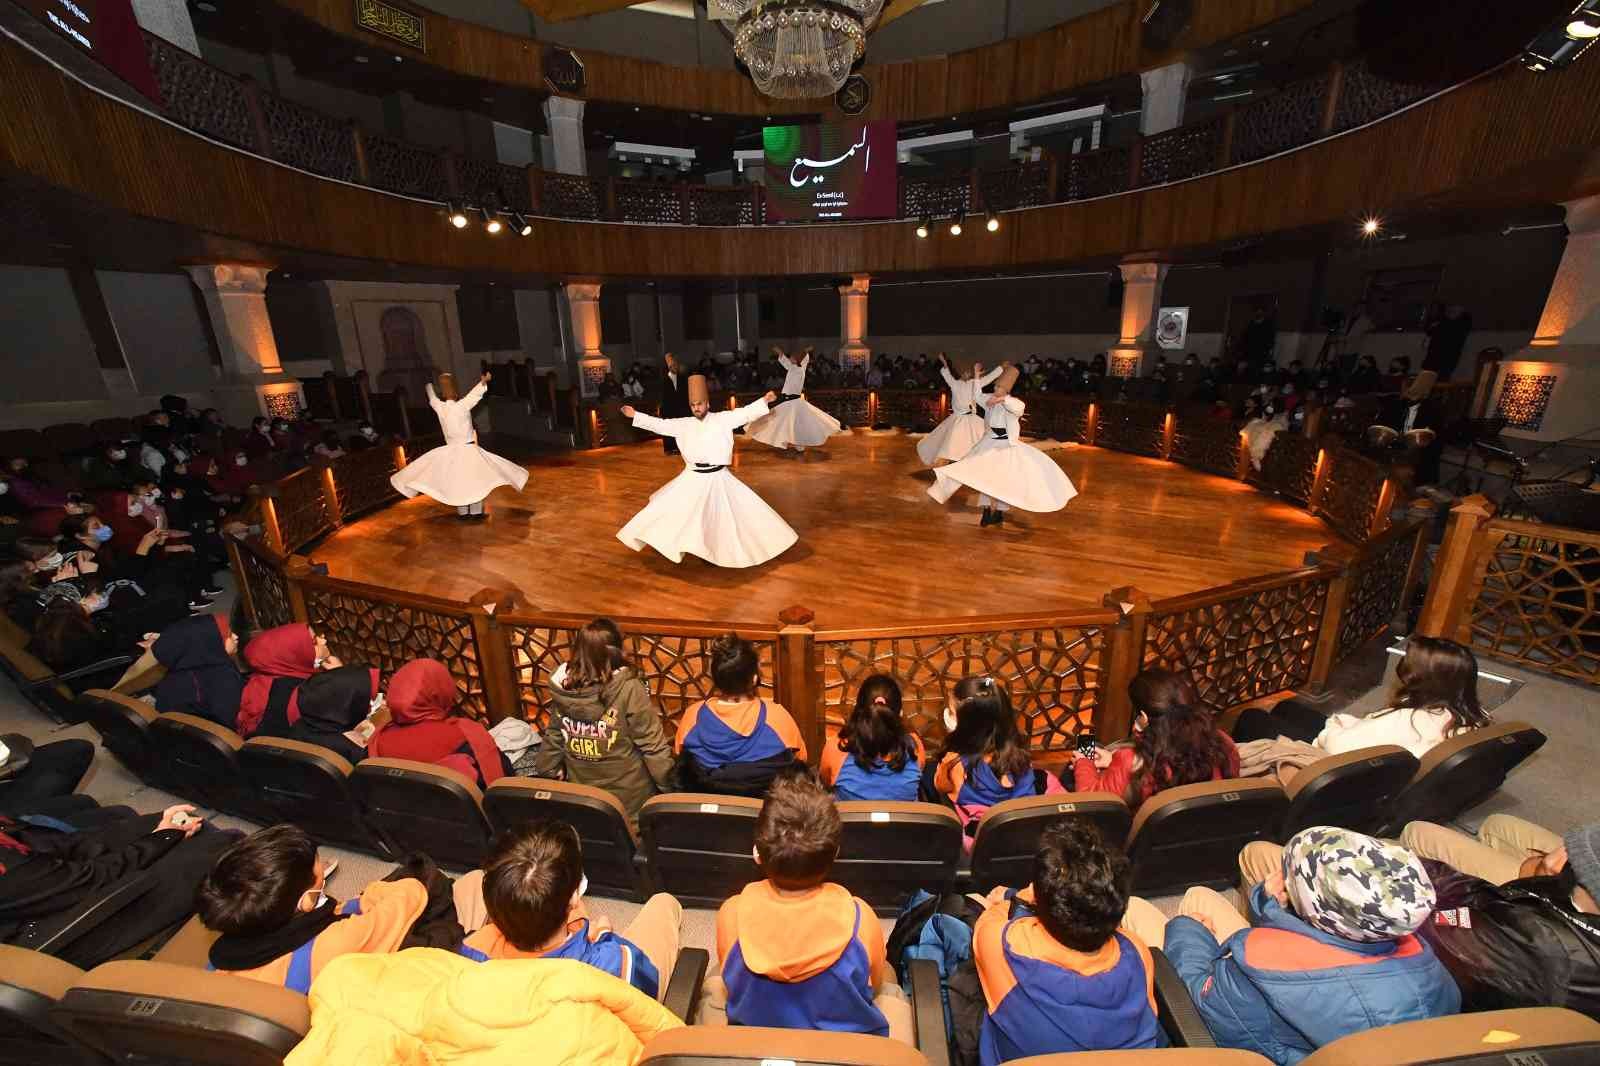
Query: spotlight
x: 1370, y: 227
x: 955, y: 224
x: 520, y: 223
x: 1580, y: 29
x: 993, y: 225
x: 922, y: 230
x: 458, y: 215
x: 491, y: 220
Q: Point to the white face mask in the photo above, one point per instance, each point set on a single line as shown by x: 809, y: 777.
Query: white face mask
x: 949, y: 720
x: 95, y: 602
x: 50, y: 562
x: 118, y: 455
x: 5, y: 487
x: 241, y: 460
x: 152, y: 496
x: 180, y: 455
x: 319, y: 897
x: 135, y: 509
x: 370, y: 433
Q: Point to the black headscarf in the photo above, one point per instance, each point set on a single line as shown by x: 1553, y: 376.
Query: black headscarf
x: 202, y: 678
x: 332, y: 703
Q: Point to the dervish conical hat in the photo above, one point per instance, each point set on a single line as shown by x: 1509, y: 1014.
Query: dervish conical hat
x: 1008, y: 378
x: 699, y: 389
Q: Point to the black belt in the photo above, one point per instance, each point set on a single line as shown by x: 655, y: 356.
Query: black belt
x: 707, y: 468
x: 785, y: 397
x: 999, y: 432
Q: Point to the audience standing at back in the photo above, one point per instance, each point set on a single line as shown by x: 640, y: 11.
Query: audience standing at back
x: 736, y: 742
x: 1175, y: 742
x: 425, y: 728
x: 875, y: 757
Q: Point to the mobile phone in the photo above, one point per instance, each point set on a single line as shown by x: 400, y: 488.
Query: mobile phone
x: 1088, y: 747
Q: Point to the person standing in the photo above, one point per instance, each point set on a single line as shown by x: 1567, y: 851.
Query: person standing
x: 1447, y: 336
x: 963, y: 428
x: 674, y: 398
x: 794, y: 422
x: 458, y: 474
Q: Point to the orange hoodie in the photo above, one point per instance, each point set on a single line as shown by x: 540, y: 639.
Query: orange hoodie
x: 791, y: 938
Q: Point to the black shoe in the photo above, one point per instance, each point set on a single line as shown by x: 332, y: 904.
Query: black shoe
x: 999, y: 518
x: 988, y: 517
x: 199, y: 606
x: 211, y: 592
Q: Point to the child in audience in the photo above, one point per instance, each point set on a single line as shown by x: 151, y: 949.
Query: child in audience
x: 875, y: 756
x: 201, y: 677
x: 527, y: 903
x: 1175, y: 742
x: 280, y: 660
x: 1058, y: 972
x: 266, y: 898
x: 332, y: 704
x: 985, y: 758
x: 736, y: 742
x: 424, y: 727
x: 796, y: 951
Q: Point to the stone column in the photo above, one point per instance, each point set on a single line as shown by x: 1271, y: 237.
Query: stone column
x: 564, y: 118
x: 254, y: 382
x: 1547, y: 390
x: 853, y: 350
x: 1164, y: 91
x: 1141, y: 297
x: 169, y: 20
x: 583, y: 306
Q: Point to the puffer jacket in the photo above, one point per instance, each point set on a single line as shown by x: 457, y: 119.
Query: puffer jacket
x: 1283, y: 988
x: 607, y: 736
x: 426, y: 1006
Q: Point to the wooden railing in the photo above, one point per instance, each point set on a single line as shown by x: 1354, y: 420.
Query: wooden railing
x: 1524, y: 592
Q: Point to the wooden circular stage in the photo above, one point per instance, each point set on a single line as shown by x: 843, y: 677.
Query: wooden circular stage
x: 873, y: 549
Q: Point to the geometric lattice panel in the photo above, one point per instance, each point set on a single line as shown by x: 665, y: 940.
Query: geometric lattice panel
x: 268, y: 595
x: 387, y: 635
x: 302, y: 508
x: 1351, y: 489
x: 1290, y: 466
x: 1241, y: 648
x: 676, y: 669
x: 1524, y: 398
x: 1540, y: 604
x: 1376, y: 586
x: 362, y: 479
x: 1052, y: 676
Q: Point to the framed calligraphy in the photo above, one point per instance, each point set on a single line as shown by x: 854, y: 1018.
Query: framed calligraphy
x: 397, y: 24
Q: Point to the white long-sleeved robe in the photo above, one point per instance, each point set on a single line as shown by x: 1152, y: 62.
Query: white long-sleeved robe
x: 1008, y: 469
x: 795, y: 423
x: 713, y: 515
x: 963, y: 428
x: 458, y: 472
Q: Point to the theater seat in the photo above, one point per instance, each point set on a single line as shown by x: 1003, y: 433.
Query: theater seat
x: 189, y: 946
x: 157, y: 1012
x: 71, y: 438
x: 30, y: 985
x: 698, y: 845
x: 1352, y: 791
x: 1008, y: 833
x: 308, y: 786
x: 418, y: 806
x: 1461, y: 773
x: 1176, y: 1056
x: 124, y: 727
x: 1532, y: 1036
x: 1191, y: 835
x: 889, y: 850
x: 722, y: 1045
x: 113, y: 429
x: 38, y: 683
x: 611, y: 857
x: 199, y: 760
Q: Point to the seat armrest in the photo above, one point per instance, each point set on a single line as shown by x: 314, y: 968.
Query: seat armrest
x: 927, y: 1007
x: 116, y: 662
x: 1175, y: 1007
x: 54, y: 934
x: 683, y: 990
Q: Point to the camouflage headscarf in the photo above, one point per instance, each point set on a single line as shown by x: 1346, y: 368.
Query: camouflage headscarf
x: 1354, y: 886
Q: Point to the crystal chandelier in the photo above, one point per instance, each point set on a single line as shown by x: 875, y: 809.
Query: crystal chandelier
x: 798, y: 49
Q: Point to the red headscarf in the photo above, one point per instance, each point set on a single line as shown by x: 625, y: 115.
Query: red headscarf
x: 282, y: 652
x: 421, y: 697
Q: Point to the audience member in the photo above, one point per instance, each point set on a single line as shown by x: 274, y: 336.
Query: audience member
x: 985, y: 758
x: 604, y: 729
x: 260, y: 441
x: 141, y: 597
x: 875, y: 756
x: 364, y: 438
x: 111, y: 468
x: 1175, y: 742
x: 202, y: 678
x: 66, y: 638
x: 54, y: 770
x: 425, y: 727
x: 332, y: 704
x: 280, y: 660
x: 1059, y: 974
x: 735, y: 742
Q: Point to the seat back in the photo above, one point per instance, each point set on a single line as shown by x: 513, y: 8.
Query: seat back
x: 124, y: 727
x: 610, y: 852
x: 418, y: 806
x: 26, y: 669
x: 308, y: 786
x: 1531, y: 1036
x: 1463, y: 772
x: 890, y: 850
x: 113, y: 429
x: 25, y: 443
x: 1008, y: 833
x: 30, y: 985
x: 1191, y: 835
x: 721, y: 1045
x: 1352, y: 791
x: 199, y: 760
x: 158, y: 1012
x: 698, y: 845
x: 1174, y: 1056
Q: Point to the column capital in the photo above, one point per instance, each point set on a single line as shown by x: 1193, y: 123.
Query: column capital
x: 1146, y: 271
x: 858, y: 285
x: 1583, y: 215
x: 230, y: 277
x: 585, y: 291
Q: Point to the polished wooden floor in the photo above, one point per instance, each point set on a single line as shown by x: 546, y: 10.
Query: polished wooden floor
x: 873, y: 548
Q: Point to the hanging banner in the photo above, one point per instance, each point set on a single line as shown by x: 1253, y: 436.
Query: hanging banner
x: 1172, y: 327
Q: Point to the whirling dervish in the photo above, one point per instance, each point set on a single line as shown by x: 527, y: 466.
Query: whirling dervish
x: 963, y: 428
x: 705, y: 510
x: 458, y: 473
x: 794, y: 422
x: 1003, y: 469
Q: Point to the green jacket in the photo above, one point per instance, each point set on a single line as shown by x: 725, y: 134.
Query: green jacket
x: 607, y: 736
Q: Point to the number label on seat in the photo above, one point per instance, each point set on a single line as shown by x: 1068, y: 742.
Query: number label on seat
x: 144, y: 1007
x: 710, y: 808
x: 880, y: 816
x: 777, y: 1062
x: 541, y: 795
x: 1230, y: 797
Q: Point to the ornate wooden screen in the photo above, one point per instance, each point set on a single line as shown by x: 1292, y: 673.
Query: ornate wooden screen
x: 1064, y: 418
x: 405, y: 168
x: 852, y: 407
x: 301, y: 507
x: 1290, y: 467
x: 1098, y: 173
x: 1377, y: 584
x: 1290, y: 117
x: 260, y: 576
x: 916, y: 411
x: 1130, y: 427
x: 1352, y: 486
x: 197, y: 95
x: 1537, y: 602
x: 1181, y: 153
x: 362, y: 478
x: 309, y: 139
x: 1204, y: 442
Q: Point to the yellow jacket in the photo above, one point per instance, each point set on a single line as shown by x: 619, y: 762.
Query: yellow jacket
x: 428, y: 1007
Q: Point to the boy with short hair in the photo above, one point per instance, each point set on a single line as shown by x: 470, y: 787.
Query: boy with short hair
x: 530, y: 893
x: 736, y: 742
x: 796, y: 951
x: 1059, y: 974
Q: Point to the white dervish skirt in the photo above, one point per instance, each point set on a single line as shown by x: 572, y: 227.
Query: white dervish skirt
x: 951, y: 439
x: 1010, y: 471
x: 794, y: 422
x: 715, y: 516
x: 457, y: 474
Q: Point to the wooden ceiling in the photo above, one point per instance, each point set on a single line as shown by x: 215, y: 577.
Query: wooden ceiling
x: 566, y: 10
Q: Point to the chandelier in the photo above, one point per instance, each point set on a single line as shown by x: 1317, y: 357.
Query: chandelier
x: 798, y: 49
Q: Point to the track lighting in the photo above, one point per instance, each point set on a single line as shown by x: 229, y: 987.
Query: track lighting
x: 457, y: 214
x: 491, y: 220
x: 993, y: 225
x: 922, y: 230
x: 520, y: 223
x: 955, y: 224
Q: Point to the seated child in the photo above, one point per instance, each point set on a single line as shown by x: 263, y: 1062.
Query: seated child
x: 736, y: 742
x: 1058, y: 973
x: 875, y: 756
x: 527, y: 903
x: 985, y: 759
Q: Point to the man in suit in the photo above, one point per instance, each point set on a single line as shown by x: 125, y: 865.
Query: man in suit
x: 674, y: 397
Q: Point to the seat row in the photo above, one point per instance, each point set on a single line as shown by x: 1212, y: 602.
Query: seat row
x: 698, y: 846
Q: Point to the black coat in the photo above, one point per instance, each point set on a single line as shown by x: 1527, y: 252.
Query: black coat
x: 675, y: 400
x: 61, y: 870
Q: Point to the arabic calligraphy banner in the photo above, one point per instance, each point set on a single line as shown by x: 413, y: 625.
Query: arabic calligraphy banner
x: 819, y: 173
x: 393, y: 23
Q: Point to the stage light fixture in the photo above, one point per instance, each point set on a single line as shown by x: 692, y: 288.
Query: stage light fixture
x: 520, y: 223
x: 1371, y: 226
x: 993, y: 225
x: 922, y: 230
x: 458, y: 215
x: 491, y: 220
x: 1582, y: 29
x: 955, y: 225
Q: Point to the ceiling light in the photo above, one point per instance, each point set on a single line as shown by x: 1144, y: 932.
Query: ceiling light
x: 1581, y: 29
x: 458, y: 215
x: 1370, y: 227
x: 955, y: 225
x: 993, y: 225
x: 922, y: 230
x: 491, y: 220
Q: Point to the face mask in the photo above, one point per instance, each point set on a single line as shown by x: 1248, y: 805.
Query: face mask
x: 370, y: 434
x: 949, y: 720
x: 180, y: 455
x: 102, y: 534
x: 240, y: 460
x: 135, y: 509
x: 117, y: 455
x: 153, y: 495
x: 5, y: 487
x: 50, y: 562
x: 318, y: 897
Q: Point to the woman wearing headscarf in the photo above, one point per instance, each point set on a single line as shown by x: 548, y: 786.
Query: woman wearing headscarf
x: 201, y: 679
x: 331, y: 704
x: 423, y: 727
x: 280, y: 660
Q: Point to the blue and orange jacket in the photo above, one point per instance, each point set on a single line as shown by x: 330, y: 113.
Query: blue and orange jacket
x: 376, y: 923
x: 1284, y: 989
x: 720, y: 732
x: 849, y: 780
x: 1045, y: 998
x: 605, y: 951
x: 810, y: 961
x: 969, y: 781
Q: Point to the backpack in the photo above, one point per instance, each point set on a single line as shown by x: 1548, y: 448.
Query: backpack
x: 731, y: 779
x: 940, y: 928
